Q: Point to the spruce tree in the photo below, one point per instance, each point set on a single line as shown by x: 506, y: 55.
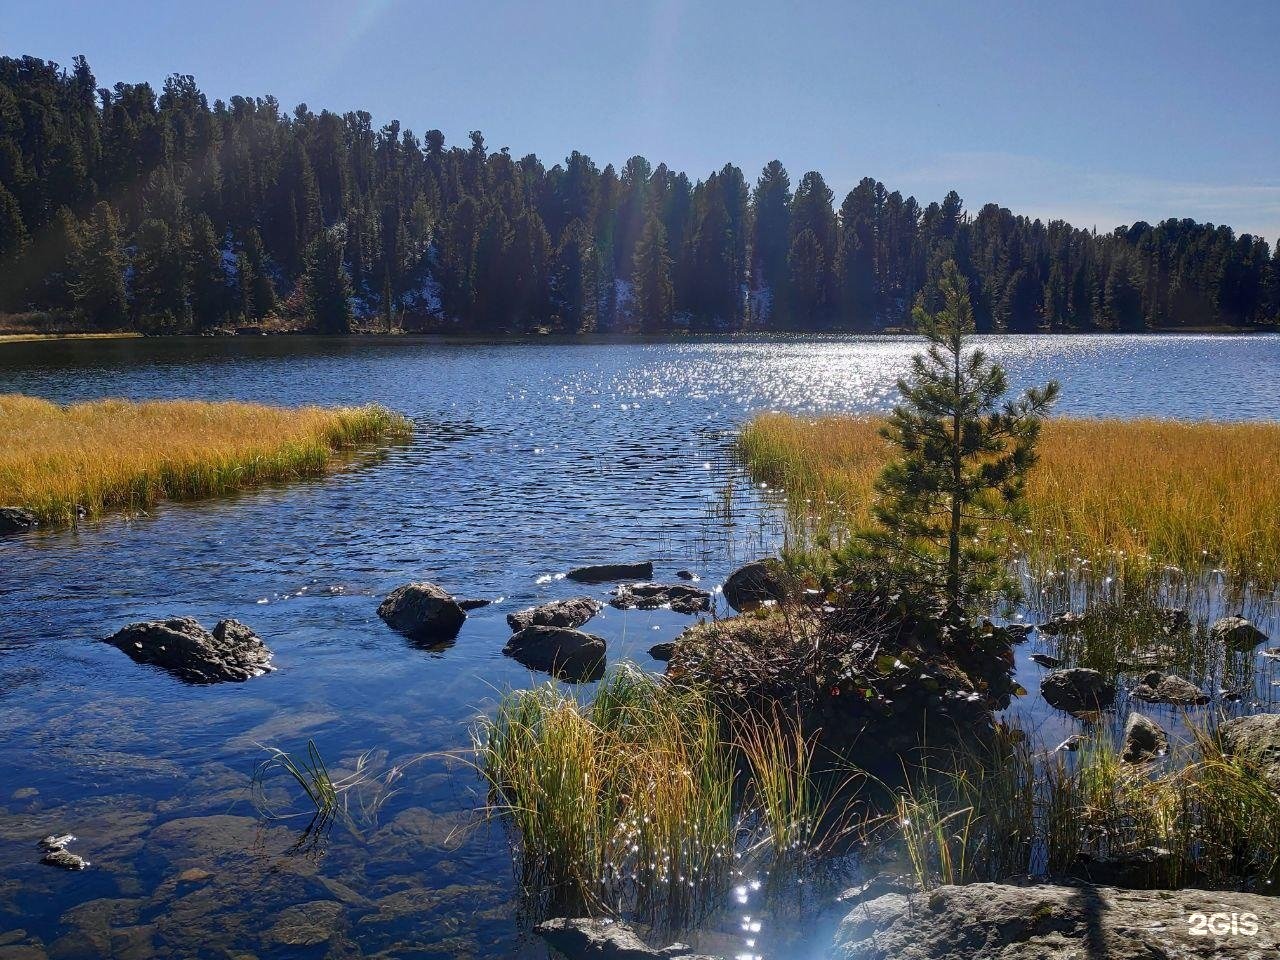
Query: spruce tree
x: 326, y: 285
x: 808, y: 277
x: 962, y: 458
x: 651, y: 278
x: 207, y: 278
x: 574, y: 278
x: 159, y: 279
x: 99, y: 286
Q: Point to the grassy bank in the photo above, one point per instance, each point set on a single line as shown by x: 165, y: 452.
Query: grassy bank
x: 119, y: 455
x: 1106, y: 490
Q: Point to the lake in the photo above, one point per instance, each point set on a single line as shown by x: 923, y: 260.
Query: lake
x: 527, y: 459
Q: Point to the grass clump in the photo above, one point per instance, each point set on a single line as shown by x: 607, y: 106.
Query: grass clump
x: 60, y: 461
x: 1112, y: 492
x: 646, y: 800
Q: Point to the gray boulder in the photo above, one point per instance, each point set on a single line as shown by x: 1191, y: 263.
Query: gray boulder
x: 180, y: 645
x: 422, y: 610
x: 755, y: 583
x: 16, y: 520
x: 992, y: 921
x: 1256, y: 739
x: 1078, y: 690
x: 1157, y: 687
x: 604, y: 572
x: 597, y: 939
x: 653, y: 596
x: 568, y: 654
x: 1236, y: 633
x: 559, y: 613
x: 1144, y: 739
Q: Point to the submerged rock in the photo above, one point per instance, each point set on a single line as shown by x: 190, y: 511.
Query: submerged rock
x: 604, y: 572
x: 758, y: 582
x: 1256, y: 739
x: 1157, y: 687
x: 992, y: 921
x: 1078, y: 690
x: 1144, y: 739
x: 1063, y: 623
x: 652, y: 596
x: 568, y: 654
x: 1236, y: 633
x: 1046, y: 661
x: 583, y: 938
x: 16, y: 520
x: 559, y: 613
x: 423, y: 611
x: 687, y: 575
x: 180, y: 645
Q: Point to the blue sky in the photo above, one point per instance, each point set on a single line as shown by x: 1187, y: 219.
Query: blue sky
x: 1099, y: 113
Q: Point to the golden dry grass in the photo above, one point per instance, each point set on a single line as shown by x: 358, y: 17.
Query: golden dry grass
x: 120, y: 455
x: 1179, y: 493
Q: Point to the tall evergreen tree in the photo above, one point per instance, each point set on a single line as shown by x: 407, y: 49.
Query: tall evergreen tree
x: 99, y: 286
x: 207, y: 278
x: 574, y: 279
x: 808, y: 277
x: 962, y: 457
x: 159, y: 279
x: 326, y: 285
x: 651, y: 278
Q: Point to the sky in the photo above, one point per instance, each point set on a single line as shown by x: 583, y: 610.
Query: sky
x: 1099, y: 113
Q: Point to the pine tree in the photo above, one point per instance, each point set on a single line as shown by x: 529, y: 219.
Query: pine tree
x: 326, y: 285
x: 159, y: 279
x: 99, y: 286
x: 257, y: 291
x: 1123, y: 296
x: 962, y: 459
x: 574, y: 280
x: 206, y: 276
x: 808, y: 277
x: 651, y: 278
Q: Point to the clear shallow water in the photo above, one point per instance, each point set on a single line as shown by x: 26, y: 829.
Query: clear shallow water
x: 527, y: 459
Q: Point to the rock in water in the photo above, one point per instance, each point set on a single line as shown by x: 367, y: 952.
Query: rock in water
x: 186, y: 649
x: 1236, y: 633
x: 687, y: 575
x: 422, y: 611
x: 56, y: 853
x: 653, y: 596
x: 604, y: 572
x: 1143, y: 739
x: 992, y: 921
x: 597, y: 939
x: 1063, y: 623
x: 559, y: 613
x: 473, y: 604
x: 1046, y: 661
x: 755, y: 583
x: 1256, y: 739
x: 1157, y: 687
x: 16, y: 520
x: 662, y: 652
x: 1078, y: 690
x: 568, y: 654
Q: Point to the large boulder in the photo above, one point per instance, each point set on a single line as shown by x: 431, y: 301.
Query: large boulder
x: 756, y: 583
x: 654, y: 596
x: 604, y: 572
x: 992, y: 921
x: 1256, y: 739
x: 1144, y: 739
x: 1078, y: 690
x: 583, y: 938
x: 180, y: 645
x: 568, y: 654
x: 570, y: 613
x: 16, y: 520
x: 1157, y: 687
x: 422, y: 611
x: 1236, y: 633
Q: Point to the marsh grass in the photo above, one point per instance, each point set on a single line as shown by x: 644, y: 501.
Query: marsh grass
x: 1197, y: 817
x: 1120, y: 498
x: 645, y: 801
x: 57, y: 461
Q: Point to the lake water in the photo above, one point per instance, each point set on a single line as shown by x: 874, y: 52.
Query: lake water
x: 527, y: 459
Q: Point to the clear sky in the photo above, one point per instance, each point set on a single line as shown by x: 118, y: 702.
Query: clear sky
x: 1097, y: 112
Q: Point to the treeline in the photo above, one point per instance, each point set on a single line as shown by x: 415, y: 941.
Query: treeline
x: 127, y: 209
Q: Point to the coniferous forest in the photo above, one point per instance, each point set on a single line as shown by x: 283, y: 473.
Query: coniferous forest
x: 164, y: 213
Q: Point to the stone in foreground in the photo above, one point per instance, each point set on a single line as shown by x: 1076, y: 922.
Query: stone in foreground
x: 596, y: 939
x: 16, y: 520
x: 654, y: 596
x: 1157, y: 687
x: 992, y: 921
x: 1144, y: 739
x: 568, y: 654
x: 1236, y: 633
x: 604, y: 572
x: 180, y: 645
x: 422, y: 611
x: 1256, y: 739
x: 571, y: 613
x: 57, y: 855
x: 1078, y: 690
x: 755, y: 583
